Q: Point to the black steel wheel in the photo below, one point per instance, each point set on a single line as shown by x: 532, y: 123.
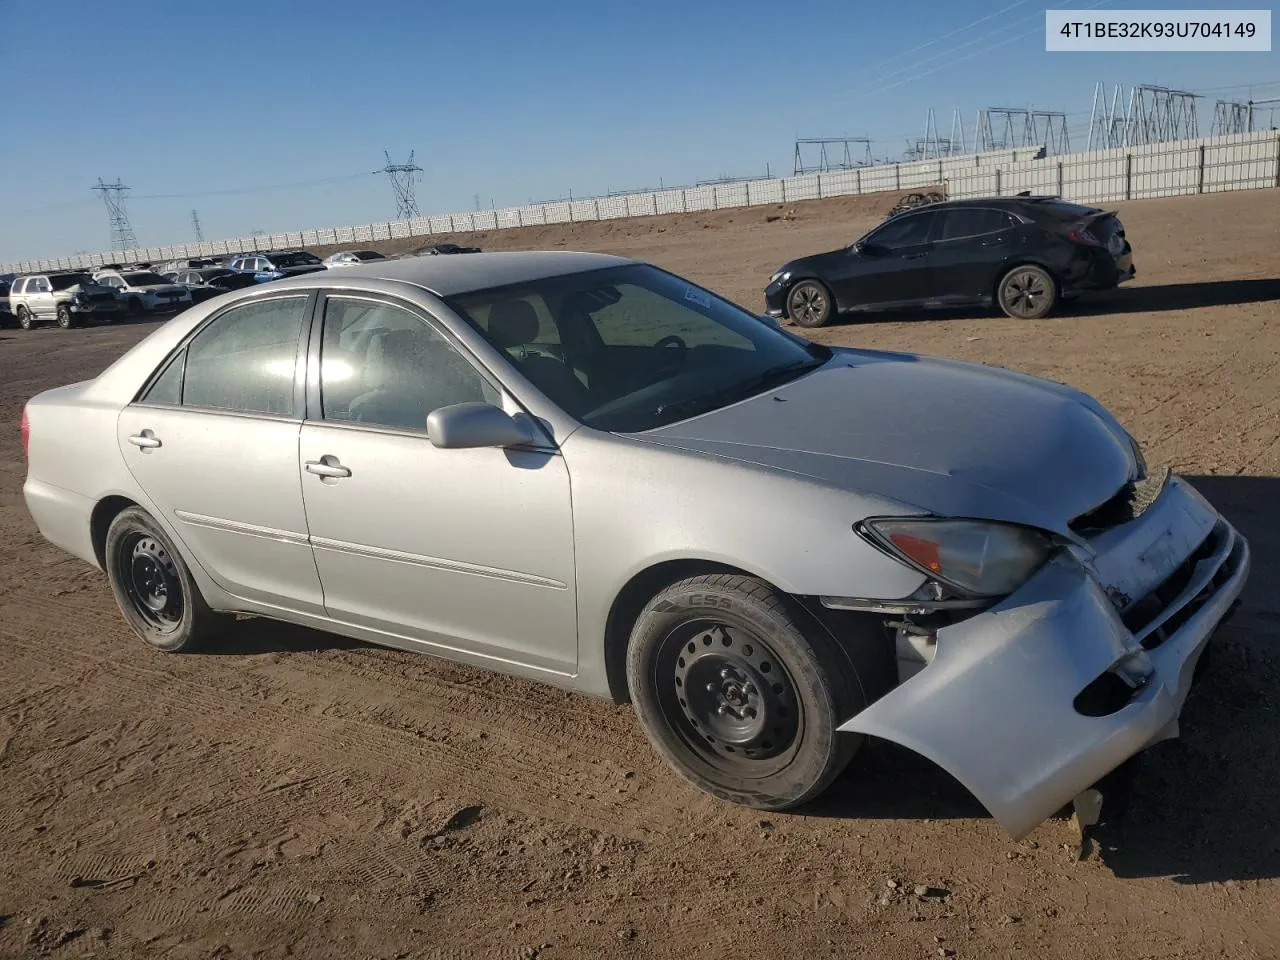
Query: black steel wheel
x: 809, y: 304
x: 26, y: 320
x: 153, y: 586
x: 65, y: 317
x: 741, y: 692
x: 1027, y: 293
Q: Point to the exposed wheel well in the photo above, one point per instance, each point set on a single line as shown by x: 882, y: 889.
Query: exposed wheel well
x: 860, y: 636
x: 107, y: 509
x: 627, y: 605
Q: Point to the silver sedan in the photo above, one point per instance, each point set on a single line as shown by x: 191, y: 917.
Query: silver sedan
x: 589, y: 471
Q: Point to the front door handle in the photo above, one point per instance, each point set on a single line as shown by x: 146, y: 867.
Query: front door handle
x: 913, y: 256
x: 146, y: 440
x: 327, y: 467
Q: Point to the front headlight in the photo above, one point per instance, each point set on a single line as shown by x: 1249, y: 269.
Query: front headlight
x: 978, y: 558
x: 1138, y: 457
x: 780, y: 277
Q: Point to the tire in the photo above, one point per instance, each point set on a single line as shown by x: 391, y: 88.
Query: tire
x: 26, y: 320
x: 741, y: 692
x: 153, y: 587
x: 810, y: 304
x: 65, y: 318
x: 1027, y: 292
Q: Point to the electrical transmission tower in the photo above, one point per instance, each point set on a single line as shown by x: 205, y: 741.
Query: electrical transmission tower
x: 1229, y: 117
x: 403, y: 177
x: 833, y: 153
x: 195, y: 225
x: 1151, y: 114
x: 113, y: 194
x: 1009, y: 128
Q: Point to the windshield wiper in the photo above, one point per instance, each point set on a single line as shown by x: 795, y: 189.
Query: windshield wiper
x: 764, y: 380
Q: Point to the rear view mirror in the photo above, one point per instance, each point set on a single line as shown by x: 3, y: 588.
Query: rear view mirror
x: 468, y: 425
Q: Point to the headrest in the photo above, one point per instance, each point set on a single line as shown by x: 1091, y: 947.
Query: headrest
x: 512, y: 323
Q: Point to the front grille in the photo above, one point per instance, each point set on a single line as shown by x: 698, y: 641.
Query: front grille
x: 1140, y: 614
x: 1128, y: 503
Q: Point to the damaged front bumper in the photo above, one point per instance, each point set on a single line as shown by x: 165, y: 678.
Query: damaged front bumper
x: 1032, y: 701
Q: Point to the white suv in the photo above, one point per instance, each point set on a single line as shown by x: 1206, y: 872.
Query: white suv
x: 64, y: 296
x: 145, y: 292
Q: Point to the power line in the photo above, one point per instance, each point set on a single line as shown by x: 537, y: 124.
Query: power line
x: 978, y: 53
x: 297, y: 184
x: 945, y: 36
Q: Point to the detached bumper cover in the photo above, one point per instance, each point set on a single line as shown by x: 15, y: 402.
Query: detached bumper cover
x: 995, y: 708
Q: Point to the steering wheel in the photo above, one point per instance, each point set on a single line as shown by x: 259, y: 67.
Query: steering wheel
x: 682, y: 348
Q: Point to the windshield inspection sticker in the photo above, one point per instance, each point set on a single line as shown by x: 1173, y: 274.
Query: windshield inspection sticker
x: 700, y: 297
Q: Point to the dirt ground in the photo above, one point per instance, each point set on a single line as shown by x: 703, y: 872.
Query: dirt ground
x: 300, y: 795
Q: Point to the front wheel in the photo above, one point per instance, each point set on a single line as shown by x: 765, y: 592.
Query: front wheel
x: 1027, y: 293
x: 809, y: 304
x: 65, y: 317
x: 153, y: 586
x: 740, y: 692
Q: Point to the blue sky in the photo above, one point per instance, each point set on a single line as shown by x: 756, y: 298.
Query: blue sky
x: 200, y: 105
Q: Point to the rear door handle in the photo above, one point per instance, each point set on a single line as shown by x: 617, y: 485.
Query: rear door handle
x: 914, y: 256
x: 146, y: 440
x: 327, y: 467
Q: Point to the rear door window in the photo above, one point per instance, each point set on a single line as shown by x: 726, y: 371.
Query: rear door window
x: 244, y: 360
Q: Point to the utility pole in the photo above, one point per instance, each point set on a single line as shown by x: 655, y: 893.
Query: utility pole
x: 403, y: 179
x: 113, y: 195
x: 195, y: 225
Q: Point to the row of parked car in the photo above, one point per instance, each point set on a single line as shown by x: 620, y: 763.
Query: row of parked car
x: 67, y: 297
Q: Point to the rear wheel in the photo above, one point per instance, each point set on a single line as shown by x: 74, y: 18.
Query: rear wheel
x: 1027, y: 293
x: 740, y: 692
x: 26, y: 320
x: 809, y: 304
x: 65, y: 317
x: 153, y: 587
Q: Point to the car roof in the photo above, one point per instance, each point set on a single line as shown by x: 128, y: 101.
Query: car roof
x: 448, y: 276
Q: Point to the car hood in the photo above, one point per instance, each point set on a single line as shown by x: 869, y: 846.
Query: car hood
x: 300, y: 268
x: 939, y: 436
x: 160, y: 288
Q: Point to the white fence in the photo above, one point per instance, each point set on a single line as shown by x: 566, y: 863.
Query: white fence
x: 1238, y: 162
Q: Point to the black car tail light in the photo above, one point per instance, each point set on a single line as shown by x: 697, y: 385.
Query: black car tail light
x: 1083, y: 236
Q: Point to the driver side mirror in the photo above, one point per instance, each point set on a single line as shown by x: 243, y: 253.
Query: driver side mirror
x: 868, y: 249
x: 463, y: 426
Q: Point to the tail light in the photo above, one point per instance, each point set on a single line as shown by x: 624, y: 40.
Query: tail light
x: 1083, y: 236
x: 26, y: 432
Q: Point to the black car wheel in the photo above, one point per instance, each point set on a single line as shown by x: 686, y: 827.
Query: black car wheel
x: 1027, y: 293
x: 809, y: 304
x: 740, y: 692
x: 153, y: 587
x: 65, y: 316
x: 26, y: 320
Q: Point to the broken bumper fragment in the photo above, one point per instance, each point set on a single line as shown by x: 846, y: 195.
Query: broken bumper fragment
x: 1032, y: 701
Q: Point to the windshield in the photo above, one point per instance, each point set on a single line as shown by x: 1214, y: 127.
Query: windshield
x: 369, y: 255
x: 293, y: 259
x: 144, y: 279
x: 214, y: 273
x: 634, y: 348
x: 61, y: 281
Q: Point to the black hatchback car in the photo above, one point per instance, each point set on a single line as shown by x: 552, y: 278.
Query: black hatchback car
x: 1022, y: 254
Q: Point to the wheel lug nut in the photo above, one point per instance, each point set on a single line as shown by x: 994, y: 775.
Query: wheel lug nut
x: 722, y: 709
x: 748, y: 689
